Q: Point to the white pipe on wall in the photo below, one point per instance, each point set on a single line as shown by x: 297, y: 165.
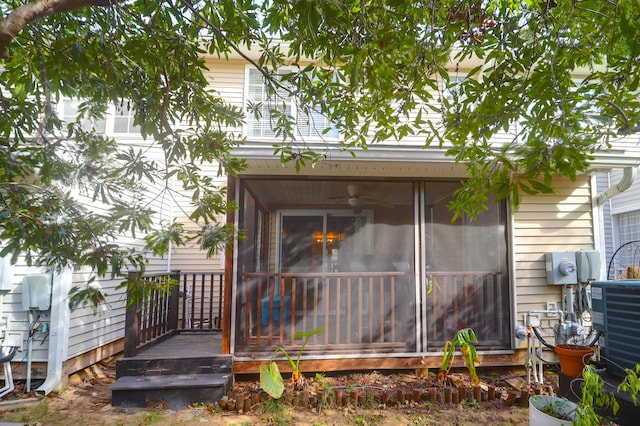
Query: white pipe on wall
x: 58, y: 332
x: 628, y: 176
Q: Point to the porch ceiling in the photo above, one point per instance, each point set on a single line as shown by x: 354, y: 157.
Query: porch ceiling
x: 326, y: 194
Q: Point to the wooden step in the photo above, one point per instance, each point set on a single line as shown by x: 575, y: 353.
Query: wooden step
x: 158, y: 367
x: 174, y: 391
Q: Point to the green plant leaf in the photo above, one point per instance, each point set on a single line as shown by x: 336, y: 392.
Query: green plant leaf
x: 301, y: 334
x: 271, y: 380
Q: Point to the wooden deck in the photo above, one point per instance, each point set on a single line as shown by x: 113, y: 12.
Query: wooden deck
x: 184, y: 345
x: 178, y: 370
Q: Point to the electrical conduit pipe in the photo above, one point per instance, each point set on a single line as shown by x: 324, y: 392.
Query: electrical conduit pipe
x: 58, y: 332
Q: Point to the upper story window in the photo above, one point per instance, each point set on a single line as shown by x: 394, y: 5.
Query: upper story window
x: 123, y: 120
x: 268, y: 109
x: 118, y: 120
x: 68, y: 112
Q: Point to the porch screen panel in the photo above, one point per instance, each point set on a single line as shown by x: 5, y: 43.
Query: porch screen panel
x: 334, y: 263
x: 465, y: 272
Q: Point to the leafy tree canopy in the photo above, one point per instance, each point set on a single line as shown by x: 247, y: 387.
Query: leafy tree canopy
x: 379, y: 68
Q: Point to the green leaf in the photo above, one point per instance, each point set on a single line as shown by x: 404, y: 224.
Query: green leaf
x: 301, y: 334
x: 271, y: 380
x: 540, y: 187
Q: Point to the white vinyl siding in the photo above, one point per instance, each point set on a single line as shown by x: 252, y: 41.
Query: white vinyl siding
x: 560, y: 222
x: 189, y: 257
x: 628, y: 200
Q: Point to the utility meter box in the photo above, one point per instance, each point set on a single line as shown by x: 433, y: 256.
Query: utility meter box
x: 561, y: 268
x: 588, y: 265
x: 36, y: 292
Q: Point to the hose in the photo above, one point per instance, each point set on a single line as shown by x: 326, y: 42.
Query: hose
x: 536, y: 331
x: 595, y: 338
x: 593, y: 341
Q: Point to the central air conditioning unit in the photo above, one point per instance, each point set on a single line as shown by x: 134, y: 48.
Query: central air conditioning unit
x: 616, y: 313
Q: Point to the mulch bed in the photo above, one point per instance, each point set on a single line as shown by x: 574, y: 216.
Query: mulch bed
x: 377, y: 390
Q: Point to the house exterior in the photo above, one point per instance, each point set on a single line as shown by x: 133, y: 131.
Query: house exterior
x: 364, y: 248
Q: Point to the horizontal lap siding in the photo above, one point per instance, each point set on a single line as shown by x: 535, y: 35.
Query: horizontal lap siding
x: 89, y: 330
x: 189, y: 257
x: 17, y: 318
x: 559, y: 222
x: 227, y: 78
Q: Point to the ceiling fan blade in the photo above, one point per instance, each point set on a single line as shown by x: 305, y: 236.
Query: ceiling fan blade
x: 377, y: 201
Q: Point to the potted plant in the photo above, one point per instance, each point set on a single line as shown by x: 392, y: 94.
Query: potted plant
x: 554, y: 410
x: 573, y: 358
x: 547, y: 410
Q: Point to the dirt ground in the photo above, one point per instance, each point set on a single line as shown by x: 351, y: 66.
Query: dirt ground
x: 87, y: 401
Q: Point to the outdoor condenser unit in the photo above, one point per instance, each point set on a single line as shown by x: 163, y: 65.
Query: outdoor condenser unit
x: 616, y: 313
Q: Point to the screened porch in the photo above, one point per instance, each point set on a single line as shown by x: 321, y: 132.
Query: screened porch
x: 378, y: 265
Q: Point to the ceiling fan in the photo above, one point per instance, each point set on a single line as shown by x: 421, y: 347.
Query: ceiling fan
x: 357, y: 198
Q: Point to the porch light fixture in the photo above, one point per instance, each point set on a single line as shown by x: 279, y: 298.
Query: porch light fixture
x: 355, y: 202
x: 318, y: 237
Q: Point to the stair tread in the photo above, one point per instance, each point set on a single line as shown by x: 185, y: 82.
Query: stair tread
x: 177, y: 357
x: 170, y: 381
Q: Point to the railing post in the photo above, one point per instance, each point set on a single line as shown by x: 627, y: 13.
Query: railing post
x: 174, y: 302
x: 132, y: 321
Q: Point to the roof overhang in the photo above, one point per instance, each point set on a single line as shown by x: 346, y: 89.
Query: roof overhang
x: 399, y: 157
x: 607, y: 160
x: 382, y: 160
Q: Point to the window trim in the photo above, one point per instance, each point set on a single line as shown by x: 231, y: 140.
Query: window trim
x: 108, y: 120
x: 318, y: 135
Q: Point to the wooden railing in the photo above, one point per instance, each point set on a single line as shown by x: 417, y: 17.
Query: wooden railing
x: 201, y: 307
x: 367, y: 311
x: 193, y: 305
x: 476, y: 299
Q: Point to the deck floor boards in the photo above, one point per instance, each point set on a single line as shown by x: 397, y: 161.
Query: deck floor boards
x: 184, y: 345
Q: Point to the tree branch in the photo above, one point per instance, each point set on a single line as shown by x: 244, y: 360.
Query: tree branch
x: 29, y: 12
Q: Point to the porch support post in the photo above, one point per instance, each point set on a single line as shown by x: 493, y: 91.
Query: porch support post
x: 174, y: 302
x: 132, y: 321
x: 227, y: 301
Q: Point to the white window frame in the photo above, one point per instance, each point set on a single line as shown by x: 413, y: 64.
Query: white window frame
x: 121, y: 112
x: 626, y: 228
x: 67, y: 109
x: 263, y: 125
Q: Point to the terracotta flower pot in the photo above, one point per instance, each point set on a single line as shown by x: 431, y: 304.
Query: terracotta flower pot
x: 573, y: 358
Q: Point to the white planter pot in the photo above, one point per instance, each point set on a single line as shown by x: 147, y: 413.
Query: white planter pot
x: 538, y: 404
